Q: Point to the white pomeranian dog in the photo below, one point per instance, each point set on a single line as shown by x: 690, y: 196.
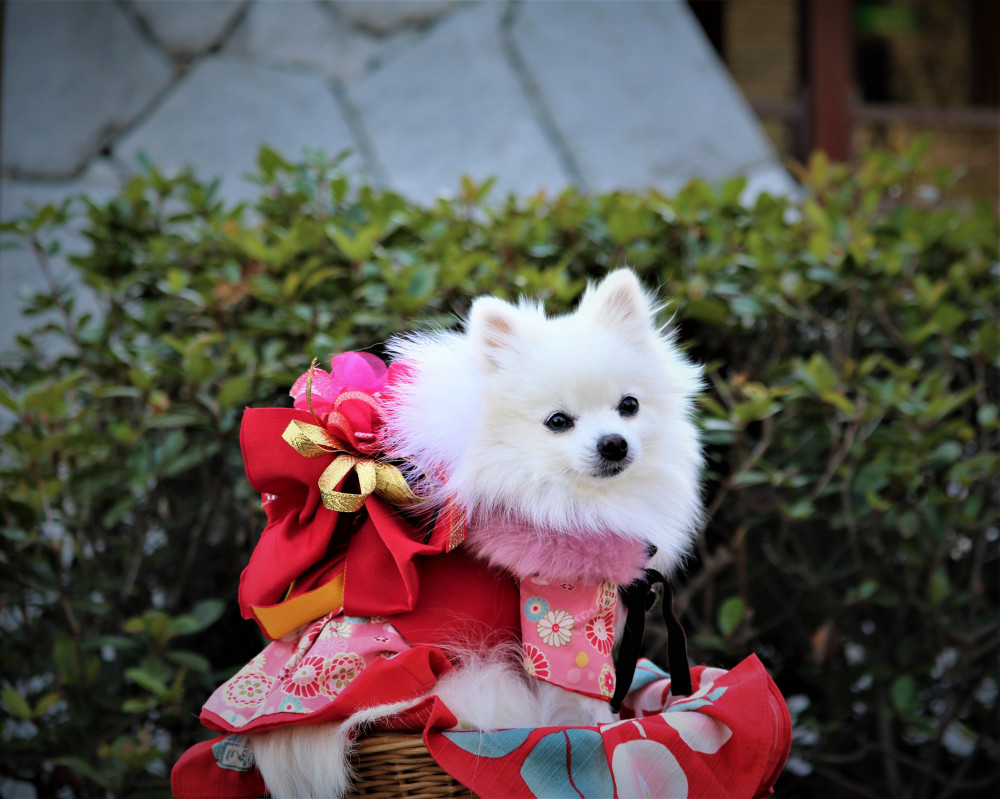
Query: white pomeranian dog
x: 570, y: 443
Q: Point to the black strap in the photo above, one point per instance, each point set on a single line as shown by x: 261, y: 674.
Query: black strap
x: 677, y: 649
x: 638, y: 598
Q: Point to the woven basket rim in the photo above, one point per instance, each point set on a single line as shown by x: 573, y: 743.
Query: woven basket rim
x: 391, y: 764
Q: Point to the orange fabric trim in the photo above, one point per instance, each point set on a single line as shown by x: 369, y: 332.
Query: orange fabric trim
x: 290, y: 614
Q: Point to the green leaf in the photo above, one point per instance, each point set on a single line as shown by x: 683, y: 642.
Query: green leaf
x: 713, y: 406
x: 134, y: 626
x: 191, y: 458
x: 750, y: 478
x: 16, y: 704
x: 233, y: 391
x: 208, y: 612
x: 170, y: 420
x: 64, y: 655
x: 838, y: 400
x: 862, y: 592
x: 356, y: 247
x: 201, y: 617
x: 43, y: 216
x: 731, y: 189
x: 154, y: 623
x: 190, y: 660
x: 876, y: 502
x: 422, y: 283
x: 819, y: 375
x: 8, y: 401
x: 731, y: 613
x: 947, y: 317
x: 904, y: 693
x: 946, y: 452
x: 707, y: 310
x: 820, y: 244
x: 940, y: 586
x: 46, y: 703
x: 146, y: 680
x: 269, y: 162
x: 802, y: 509
x: 139, y: 706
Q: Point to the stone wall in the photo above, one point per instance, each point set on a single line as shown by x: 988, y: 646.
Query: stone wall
x: 599, y: 94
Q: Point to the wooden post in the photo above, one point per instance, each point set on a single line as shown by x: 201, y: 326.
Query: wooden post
x: 831, y: 68
x: 985, y: 19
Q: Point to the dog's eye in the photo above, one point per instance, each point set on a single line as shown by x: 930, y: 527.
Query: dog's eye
x: 629, y: 406
x: 559, y: 421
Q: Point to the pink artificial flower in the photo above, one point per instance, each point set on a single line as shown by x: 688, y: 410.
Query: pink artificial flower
x: 345, y: 399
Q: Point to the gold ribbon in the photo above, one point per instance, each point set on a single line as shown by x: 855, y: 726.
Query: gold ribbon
x: 374, y: 476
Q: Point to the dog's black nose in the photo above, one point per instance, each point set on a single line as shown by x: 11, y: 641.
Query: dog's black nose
x: 612, y: 448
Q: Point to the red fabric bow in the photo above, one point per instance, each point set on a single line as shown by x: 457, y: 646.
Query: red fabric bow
x: 306, y: 546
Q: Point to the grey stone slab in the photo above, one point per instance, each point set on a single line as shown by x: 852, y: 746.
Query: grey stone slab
x: 188, y: 27
x: 451, y: 105
x: 224, y: 109
x: 769, y: 177
x: 637, y: 93
x: 301, y: 32
x: 73, y: 73
x: 20, y: 273
x: 388, y: 16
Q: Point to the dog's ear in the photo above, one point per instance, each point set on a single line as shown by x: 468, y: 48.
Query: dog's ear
x: 493, y: 329
x: 620, y: 303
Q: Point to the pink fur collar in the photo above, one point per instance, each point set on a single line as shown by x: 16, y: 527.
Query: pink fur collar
x: 587, y: 556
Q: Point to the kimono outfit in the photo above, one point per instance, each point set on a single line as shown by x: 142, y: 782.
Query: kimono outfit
x: 360, y: 605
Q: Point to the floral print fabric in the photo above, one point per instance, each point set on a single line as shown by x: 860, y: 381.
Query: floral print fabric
x: 304, y: 673
x: 567, y: 631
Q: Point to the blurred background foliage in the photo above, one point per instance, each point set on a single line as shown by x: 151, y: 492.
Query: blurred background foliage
x: 851, y: 418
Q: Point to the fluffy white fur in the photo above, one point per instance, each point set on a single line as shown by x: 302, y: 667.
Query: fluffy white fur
x: 314, y: 761
x: 477, y: 402
x: 471, y: 419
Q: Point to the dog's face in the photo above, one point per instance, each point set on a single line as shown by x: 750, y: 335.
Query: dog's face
x: 578, y: 407
x: 603, y: 450
x: 600, y: 446
x: 579, y: 402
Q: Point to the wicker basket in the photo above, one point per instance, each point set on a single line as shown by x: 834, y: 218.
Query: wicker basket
x: 390, y: 765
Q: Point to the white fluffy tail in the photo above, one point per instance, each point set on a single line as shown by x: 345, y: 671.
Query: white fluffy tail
x: 305, y: 761
x: 313, y: 761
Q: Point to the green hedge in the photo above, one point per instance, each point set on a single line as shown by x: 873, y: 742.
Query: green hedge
x: 851, y: 350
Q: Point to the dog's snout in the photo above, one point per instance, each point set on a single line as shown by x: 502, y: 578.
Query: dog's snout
x: 613, y: 447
